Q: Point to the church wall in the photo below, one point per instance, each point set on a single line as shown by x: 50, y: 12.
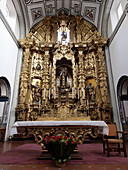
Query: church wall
x: 118, y: 54
x: 115, y: 52
x: 8, y: 58
x: 116, y: 17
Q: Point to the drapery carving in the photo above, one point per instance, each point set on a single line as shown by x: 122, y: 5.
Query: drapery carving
x: 61, y: 80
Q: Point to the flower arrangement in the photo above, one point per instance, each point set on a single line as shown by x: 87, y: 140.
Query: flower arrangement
x: 60, y: 147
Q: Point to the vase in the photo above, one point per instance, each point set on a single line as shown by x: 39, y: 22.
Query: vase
x: 60, y: 165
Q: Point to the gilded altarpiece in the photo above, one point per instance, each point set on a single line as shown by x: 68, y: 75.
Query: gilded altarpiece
x: 60, y: 79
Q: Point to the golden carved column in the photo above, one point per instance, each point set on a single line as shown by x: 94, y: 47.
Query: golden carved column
x: 101, y: 72
x: 54, y: 77
x: 74, y: 77
x: 25, y: 76
x: 46, y: 76
x: 102, y: 82
x: 24, y: 86
x: 81, y: 76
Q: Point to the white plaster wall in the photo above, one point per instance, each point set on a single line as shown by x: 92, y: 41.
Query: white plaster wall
x: 12, y: 28
x: 9, y: 12
x: 8, y: 55
x: 113, y: 16
x: 8, y: 61
x: 119, y: 53
x: 118, y: 50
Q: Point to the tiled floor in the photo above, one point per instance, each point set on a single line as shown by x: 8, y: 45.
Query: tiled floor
x: 12, y: 144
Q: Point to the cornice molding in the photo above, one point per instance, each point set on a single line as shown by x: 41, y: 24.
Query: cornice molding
x: 9, y: 29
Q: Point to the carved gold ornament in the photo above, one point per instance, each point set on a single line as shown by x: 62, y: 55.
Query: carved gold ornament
x: 66, y: 79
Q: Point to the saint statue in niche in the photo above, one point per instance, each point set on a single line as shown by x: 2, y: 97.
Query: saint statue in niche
x: 36, y: 92
x: 91, y: 92
x: 64, y: 82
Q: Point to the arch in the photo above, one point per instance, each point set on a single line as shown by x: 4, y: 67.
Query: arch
x: 4, y: 99
x: 104, y: 24
x: 23, y: 23
x: 120, y: 84
x: 122, y: 95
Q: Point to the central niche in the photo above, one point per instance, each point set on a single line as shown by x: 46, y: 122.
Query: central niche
x: 64, y: 77
x: 64, y: 80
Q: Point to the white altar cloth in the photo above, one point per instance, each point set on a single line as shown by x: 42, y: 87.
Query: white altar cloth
x: 103, y: 127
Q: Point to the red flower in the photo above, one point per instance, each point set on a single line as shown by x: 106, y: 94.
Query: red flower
x: 66, y: 143
x: 72, y: 142
x: 57, y: 138
x: 65, y: 137
x: 53, y: 137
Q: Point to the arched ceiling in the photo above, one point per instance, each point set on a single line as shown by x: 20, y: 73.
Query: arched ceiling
x: 37, y: 10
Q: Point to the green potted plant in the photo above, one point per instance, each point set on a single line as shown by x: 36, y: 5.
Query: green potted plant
x: 60, y: 148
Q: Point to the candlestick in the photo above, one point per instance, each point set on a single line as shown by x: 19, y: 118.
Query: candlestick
x: 78, y: 92
x: 44, y: 93
x: 49, y: 93
x: 39, y: 104
x: 87, y: 108
x: 83, y: 93
x: 54, y: 93
x: 72, y: 93
x: 87, y: 104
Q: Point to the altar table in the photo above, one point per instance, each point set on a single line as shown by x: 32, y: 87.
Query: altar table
x: 77, y: 129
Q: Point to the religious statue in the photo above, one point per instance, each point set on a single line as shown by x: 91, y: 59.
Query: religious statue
x: 91, y: 92
x: 36, y: 89
x: 63, y: 32
x: 64, y: 81
x: 63, y: 78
